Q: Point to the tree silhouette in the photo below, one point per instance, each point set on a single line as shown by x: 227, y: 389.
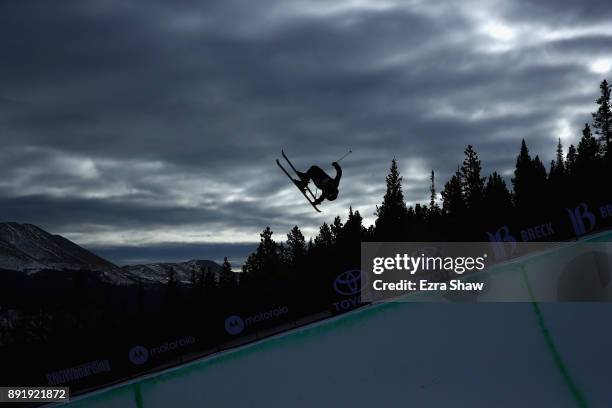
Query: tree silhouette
x: 392, y: 213
x: 453, y: 202
x: 432, y: 192
x: 588, y: 149
x: 227, y: 277
x: 454, y: 207
x: 571, y: 160
x: 209, y: 283
x: 265, y: 267
x: 325, y: 238
x: 497, y: 197
x: 354, y: 229
x: 558, y: 176
x: 559, y: 167
x: 587, y: 163
x: 602, y: 118
x: 472, y: 182
x: 337, y: 229
x: 539, y: 178
x: 521, y: 180
x: 296, y: 244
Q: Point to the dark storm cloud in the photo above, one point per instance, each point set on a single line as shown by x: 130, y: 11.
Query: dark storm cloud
x: 561, y: 12
x: 165, y: 117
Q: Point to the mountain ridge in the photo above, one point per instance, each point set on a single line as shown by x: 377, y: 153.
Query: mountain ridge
x: 30, y: 249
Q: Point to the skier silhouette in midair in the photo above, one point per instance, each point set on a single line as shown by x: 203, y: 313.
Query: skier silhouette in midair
x: 327, y: 185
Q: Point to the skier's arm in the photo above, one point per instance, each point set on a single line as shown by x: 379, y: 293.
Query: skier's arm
x: 338, y: 172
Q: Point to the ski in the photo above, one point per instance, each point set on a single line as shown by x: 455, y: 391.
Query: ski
x: 296, y: 172
x: 296, y: 184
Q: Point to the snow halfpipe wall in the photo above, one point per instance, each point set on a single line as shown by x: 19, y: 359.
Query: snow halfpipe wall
x: 402, y: 354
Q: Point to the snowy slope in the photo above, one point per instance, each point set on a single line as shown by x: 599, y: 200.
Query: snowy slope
x: 14, y: 259
x: 158, y: 272
x: 30, y: 249
x: 402, y: 355
x: 511, y: 355
x: 53, y: 251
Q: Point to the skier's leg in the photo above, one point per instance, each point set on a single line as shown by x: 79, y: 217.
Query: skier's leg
x: 318, y: 177
x: 314, y: 173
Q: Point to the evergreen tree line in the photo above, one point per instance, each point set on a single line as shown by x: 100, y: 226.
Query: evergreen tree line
x: 471, y: 204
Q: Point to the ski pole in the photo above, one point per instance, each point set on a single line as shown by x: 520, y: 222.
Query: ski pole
x: 347, y: 153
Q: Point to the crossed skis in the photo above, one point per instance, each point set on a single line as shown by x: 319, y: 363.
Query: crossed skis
x: 306, y: 191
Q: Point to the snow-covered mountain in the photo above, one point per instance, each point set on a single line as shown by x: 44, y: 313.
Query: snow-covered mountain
x: 30, y: 249
x: 159, y: 272
x: 14, y: 259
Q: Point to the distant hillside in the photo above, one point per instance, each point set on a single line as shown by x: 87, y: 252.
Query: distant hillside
x: 158, y: 272
x: 29, y: 249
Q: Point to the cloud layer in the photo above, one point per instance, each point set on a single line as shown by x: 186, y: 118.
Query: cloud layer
x: 149, y: 123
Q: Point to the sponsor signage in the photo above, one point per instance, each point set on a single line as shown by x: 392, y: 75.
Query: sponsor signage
x: 79, y: 372
x: 348, y: 286
x: 574, y: 222
x: 139, y: 355
x: 235, y: 324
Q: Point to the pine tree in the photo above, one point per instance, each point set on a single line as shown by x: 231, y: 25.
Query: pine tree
x: 472, y: 183
x: 588, y: 149
x: 296, y: 246
x: 588, y: 166
x: 557, y: 167
x: 227, y: 277
x: 539, y: 179
x: 325, y: 239
x: 558, y: 177
x: 570, y: 167
x: 267, y: 246
x: 602, y: 119
x: 453, y: 202
x: 336, y: 229
x: 266, y: 261
x: 432, y: 192
x: 497, y: 195
x: 354, y: 230
x: 392, y: 213
x: 210, y: 281
x: 522, y: 174
x: 310, y: 246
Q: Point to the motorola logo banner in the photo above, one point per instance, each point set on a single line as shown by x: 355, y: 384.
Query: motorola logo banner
x: 235, y: 324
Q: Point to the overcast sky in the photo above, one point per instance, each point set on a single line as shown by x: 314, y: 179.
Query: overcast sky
x: 147, y: 130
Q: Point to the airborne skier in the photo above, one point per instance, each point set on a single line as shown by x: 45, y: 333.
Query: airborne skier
x: 327, y: 185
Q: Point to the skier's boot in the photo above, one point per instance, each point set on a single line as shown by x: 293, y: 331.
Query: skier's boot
x: 303, y: 181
